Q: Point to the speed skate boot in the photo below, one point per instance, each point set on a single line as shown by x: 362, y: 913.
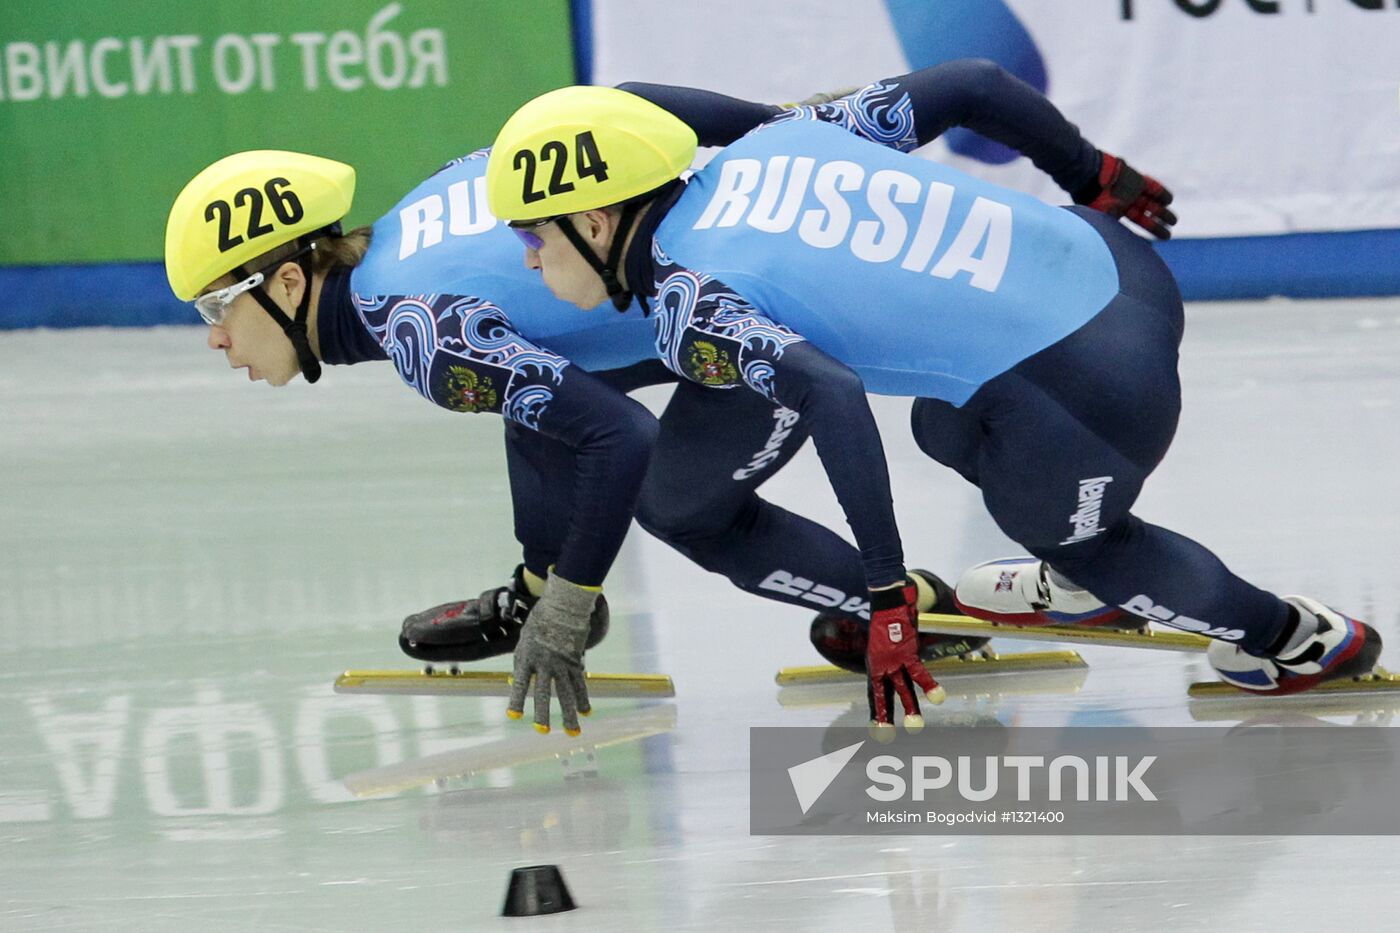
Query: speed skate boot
x: 483, y: 627
x: 1025, y: 591
x: 841, y: 639
x: 1335, y: 647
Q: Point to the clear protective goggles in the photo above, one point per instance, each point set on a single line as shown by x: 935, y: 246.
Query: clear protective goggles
x: 524, y: 229
x: 212, y: 306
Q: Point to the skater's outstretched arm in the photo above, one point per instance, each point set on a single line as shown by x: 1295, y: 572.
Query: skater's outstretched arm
x: 911, y: 110
x: 717, y: 119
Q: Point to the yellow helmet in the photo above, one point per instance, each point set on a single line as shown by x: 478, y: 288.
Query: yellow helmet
x: 580, y: 148
x: 246, y: 204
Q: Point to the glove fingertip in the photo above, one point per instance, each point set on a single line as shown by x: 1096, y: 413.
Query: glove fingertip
x: 920, y: 675
x: 572, y: 733
x: 937, y: 695
x: 513, y: 713
x: 541, y: 728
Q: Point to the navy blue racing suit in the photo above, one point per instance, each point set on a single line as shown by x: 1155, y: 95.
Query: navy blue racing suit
x: 442, y: 293
x: 1039, y: 343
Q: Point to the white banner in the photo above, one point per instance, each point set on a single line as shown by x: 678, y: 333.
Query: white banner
x: 1263, y: 116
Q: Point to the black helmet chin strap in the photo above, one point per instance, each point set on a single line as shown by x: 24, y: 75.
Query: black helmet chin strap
x: 295, y: 329
x: 621, y: 297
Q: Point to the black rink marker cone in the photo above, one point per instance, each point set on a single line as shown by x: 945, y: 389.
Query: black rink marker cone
x: 536, y: 890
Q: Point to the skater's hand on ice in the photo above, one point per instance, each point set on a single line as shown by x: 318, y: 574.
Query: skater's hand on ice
x: 892, y: 660
x: 1119, y: 190
x: 551, y: 649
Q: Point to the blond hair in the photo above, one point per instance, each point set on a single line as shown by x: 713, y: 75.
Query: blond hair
x: 348, y: 249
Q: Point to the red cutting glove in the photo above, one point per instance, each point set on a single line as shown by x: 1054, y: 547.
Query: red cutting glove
x: 892, y: 657
x: 1119, y: 190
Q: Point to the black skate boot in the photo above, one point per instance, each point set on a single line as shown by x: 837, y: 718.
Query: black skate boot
x: 841, y: 639
x: 483, y: 627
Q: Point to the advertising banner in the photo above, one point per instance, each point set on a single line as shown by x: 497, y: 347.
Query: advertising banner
x: 1263, y: 116
x: 107, y: 109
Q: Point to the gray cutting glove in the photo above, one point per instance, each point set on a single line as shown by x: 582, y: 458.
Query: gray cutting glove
x: 551, y: 651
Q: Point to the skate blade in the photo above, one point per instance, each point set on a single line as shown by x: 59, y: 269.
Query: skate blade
x: 494, y: 684
x: 513, y: 751
x: 980, y: 663
x: 978, y: 677
x: 1378, y: 682
x: 978, y: 690
x: 1077, y: 634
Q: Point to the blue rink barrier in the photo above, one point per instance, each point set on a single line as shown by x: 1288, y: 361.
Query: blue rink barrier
x: 1296, y: 265
x: 107, y: 295
x: 1352, y: 264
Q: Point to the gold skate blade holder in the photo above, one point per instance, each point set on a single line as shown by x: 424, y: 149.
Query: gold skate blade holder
x: 1378, y: 681
x: 979, y: 663
x: 1074, y: 634
x: 977, y: 676
x: 449, y: 682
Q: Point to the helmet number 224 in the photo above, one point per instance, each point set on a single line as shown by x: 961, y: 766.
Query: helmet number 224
x: 590, y: 165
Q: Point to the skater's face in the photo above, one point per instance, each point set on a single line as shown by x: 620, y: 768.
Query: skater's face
x: 248, y: 335
x: 564, y: 269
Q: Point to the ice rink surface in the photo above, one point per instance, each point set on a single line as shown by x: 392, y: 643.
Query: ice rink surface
x: 188, y: 561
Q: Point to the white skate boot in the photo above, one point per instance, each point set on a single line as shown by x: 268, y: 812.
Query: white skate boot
x: 1339, y: 647
x: 1022, y: 591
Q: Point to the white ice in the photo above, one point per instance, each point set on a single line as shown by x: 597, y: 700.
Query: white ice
x: 187, y: 561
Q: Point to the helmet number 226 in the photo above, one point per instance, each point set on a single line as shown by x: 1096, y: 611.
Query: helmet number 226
x: 286, y: 207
